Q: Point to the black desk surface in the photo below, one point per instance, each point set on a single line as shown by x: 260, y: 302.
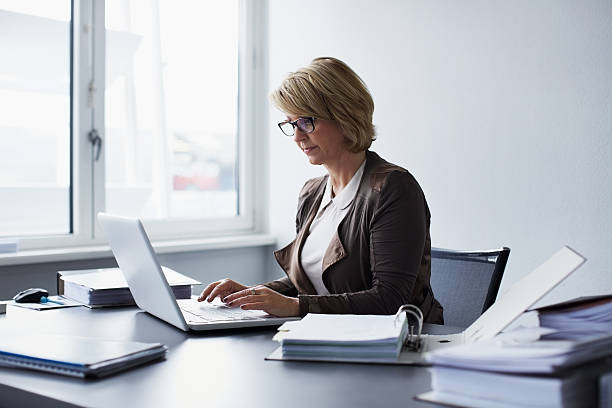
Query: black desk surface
x: 214, y: 369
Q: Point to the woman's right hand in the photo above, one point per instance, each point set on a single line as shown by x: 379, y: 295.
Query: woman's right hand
x: 222, y: 288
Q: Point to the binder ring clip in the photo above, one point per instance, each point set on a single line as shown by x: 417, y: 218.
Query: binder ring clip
x: 412, y: 340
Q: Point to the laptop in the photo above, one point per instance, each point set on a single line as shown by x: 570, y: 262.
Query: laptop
x: 520, y: 297
x: 152, y: 293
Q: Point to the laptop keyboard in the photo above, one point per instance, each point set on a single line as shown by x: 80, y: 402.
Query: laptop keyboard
x: 202, y: 312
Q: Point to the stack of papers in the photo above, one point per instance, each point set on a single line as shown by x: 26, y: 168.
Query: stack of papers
x: 541, y: 356
x: 108, y: 287
x: 345, y: 337
x: 75, y: 356
x: 586, y: 316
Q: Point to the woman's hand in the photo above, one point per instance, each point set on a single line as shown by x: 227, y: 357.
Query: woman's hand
x: 221, y: 289
x: 266, y: 299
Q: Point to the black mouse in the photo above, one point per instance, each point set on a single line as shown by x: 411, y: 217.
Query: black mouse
x: 31, y: 295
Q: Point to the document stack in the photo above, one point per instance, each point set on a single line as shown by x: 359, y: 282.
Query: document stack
x: 562, y: 368
x: 578, y: 318
x: 345, y: 337
x: 478, y: 389
x: 108, y: 287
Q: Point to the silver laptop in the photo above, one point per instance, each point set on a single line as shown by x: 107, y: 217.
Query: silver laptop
x: 143, y: 273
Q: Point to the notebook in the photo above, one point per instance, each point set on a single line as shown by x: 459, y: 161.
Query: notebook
x: 75, y: 356
x: 521, y: 296
x: 143, y: 273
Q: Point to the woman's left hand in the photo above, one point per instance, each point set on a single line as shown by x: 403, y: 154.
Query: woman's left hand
x: 266, y: 299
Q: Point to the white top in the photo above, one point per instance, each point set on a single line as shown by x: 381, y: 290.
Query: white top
x: 331, y: 212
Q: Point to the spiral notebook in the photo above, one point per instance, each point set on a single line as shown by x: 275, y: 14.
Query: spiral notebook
x: 75, y: 356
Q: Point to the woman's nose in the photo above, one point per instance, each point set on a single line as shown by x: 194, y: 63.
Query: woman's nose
x: 299, y: 135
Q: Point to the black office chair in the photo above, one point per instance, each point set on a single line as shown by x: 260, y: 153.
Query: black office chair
x: 466, y: 282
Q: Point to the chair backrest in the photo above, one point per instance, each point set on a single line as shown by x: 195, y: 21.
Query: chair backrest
x: 466, y: 282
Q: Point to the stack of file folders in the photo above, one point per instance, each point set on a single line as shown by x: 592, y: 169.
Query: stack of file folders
x: 344, y: 337
x: 578, y: 318
x: 577, y: 388
x: 108, y: 287
x: 558, y: 369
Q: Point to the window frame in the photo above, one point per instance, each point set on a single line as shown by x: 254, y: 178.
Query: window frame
x: 87, y: 103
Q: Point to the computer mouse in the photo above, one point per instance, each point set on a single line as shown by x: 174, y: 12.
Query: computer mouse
x: 31, y: 295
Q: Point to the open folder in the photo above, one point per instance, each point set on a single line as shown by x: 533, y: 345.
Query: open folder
x: 517, y: 299
x: 363, y: 337
x: 352, y: 338
x: 75, y: 356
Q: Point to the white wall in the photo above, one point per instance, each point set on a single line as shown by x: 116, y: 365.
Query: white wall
x: 501, y: 109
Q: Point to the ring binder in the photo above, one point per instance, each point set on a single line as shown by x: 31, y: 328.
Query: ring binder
x: 413, y: 341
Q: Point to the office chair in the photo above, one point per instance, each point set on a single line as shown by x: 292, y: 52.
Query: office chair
x: 466, y: 282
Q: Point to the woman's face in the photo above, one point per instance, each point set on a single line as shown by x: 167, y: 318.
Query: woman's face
x: 324, y: 145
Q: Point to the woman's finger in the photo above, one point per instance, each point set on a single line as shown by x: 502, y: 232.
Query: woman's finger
x: 207, y: 290
x: 221, y: 290
x: 245, y: 299
x: 238, y: 294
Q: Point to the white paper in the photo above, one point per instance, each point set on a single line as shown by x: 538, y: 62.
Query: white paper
x: 541, y: 356
x: 111, y: 278
x: 346, y: 328
x: 47, y: 306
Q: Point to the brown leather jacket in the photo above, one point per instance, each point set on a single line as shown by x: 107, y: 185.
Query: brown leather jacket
x: 380, y: 257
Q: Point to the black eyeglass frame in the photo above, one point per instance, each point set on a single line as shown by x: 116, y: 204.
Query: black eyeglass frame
x: 294, y: 124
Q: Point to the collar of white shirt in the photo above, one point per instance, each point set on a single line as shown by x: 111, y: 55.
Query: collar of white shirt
x: 346, y: 196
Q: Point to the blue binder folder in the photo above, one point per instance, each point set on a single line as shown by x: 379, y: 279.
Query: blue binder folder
x: 75, y: 356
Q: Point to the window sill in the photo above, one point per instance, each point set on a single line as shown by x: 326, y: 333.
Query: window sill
x: 161, y: 247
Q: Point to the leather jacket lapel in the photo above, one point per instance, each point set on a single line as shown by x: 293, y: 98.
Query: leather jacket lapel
x: 335, y: 252
x: 288, y: 259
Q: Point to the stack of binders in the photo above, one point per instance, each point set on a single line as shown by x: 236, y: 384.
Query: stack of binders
x: 479, y: 389
x: 578, y: 318
x: 562, y: 368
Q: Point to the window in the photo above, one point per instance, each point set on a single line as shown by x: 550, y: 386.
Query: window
x: 35, y: 119
x: 171, y: 110
x: 132, y: 107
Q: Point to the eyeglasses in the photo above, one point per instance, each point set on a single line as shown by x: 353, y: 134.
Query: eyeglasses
x: 306, y: 125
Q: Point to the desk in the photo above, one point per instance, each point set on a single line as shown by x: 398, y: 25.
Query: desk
x: 214, y: 369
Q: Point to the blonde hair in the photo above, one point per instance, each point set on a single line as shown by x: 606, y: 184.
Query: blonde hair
x: 330, y: 89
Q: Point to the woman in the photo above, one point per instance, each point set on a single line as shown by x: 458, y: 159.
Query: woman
x: 363, y: 243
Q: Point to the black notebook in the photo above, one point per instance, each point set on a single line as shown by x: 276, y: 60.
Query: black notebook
x: 75, y: 356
